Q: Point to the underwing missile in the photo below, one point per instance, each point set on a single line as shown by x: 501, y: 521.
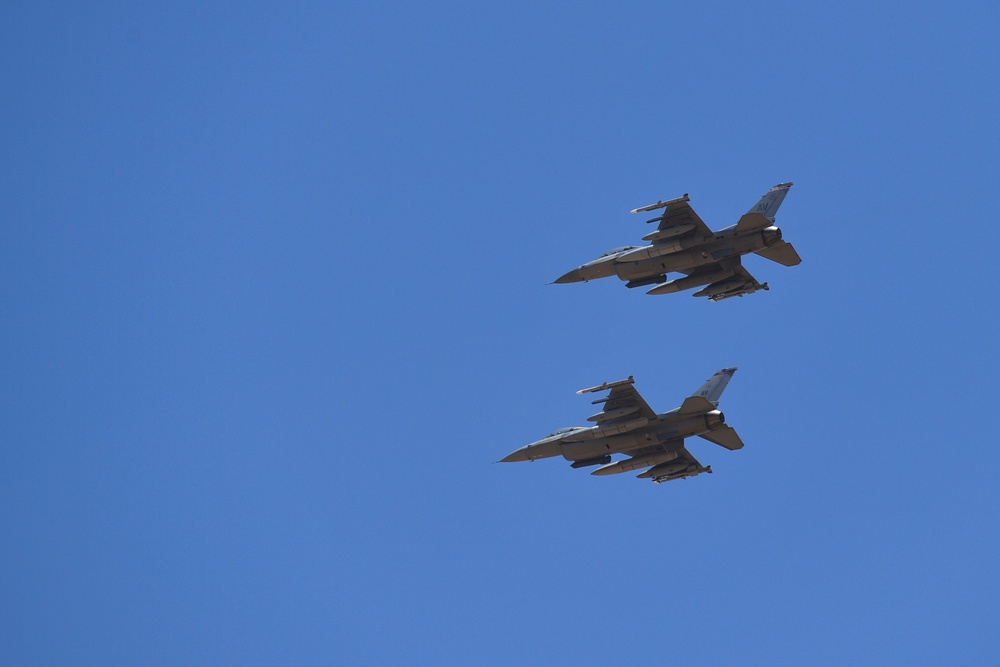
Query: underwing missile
x: 635, y: 463
x: 697, y: 279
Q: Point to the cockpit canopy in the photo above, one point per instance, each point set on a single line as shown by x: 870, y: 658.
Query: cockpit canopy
x: 617, y: 251
x: 564, y: 430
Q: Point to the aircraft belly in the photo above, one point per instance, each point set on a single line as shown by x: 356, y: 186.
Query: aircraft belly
x: 679, y: 427
x: 746, y: 244
x: 710, y: 254
x: 686, y: 261
x: 647, y: 268
x: 589, y: 449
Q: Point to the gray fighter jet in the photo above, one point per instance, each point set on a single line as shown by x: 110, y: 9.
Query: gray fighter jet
x: 627, y: 425
x: 682, y: 243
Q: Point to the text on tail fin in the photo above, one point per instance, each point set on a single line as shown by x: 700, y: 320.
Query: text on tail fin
x: 769, y: 203
x: 715, y: 385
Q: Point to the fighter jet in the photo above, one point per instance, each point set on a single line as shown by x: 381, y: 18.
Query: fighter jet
x: 627, y: 425
x: 682, y: 243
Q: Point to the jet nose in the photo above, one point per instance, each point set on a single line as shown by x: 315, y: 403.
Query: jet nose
x: 514, y: 457
x: 573, y: 276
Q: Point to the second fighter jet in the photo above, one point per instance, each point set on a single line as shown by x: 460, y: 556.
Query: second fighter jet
x: 627, y: 425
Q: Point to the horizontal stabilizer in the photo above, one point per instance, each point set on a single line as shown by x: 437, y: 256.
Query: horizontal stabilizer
x: 752, y: 221
x: 724, y: 436
x: 782, y: 253
x: 692, y: 405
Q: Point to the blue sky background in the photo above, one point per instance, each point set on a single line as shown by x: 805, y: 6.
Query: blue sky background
x: 273, y: 284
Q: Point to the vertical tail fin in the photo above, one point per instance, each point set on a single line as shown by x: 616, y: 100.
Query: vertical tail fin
x: 713, y: 388
x: 769, y: 203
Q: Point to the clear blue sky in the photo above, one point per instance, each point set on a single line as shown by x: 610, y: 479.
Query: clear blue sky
x: 274, y: 298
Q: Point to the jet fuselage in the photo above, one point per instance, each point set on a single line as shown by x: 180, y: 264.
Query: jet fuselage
x: 586, y: 443
x: 683, y: 256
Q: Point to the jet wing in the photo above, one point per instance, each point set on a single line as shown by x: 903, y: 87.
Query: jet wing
x: 676, y: 213
x: 725, y: 264
x: 740, y: 272
x: 737, y: 282
x: 684, y: 455
x: 624, y: 402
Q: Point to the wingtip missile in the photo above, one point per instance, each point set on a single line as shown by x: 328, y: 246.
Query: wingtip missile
x: 660, y: 204
x: 650, y: 207
x: 607, y: 385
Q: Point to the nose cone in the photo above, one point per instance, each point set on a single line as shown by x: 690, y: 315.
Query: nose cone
x: 514, y: 457
x: 541, y: 449
x: 574, y: 276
